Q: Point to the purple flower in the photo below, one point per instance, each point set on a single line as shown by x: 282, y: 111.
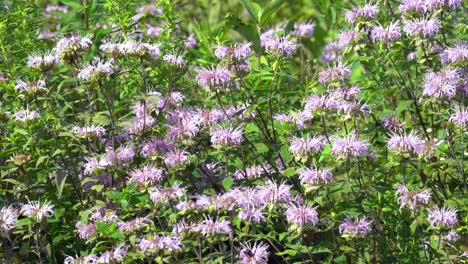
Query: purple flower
x: 43, y: 62
x: 386, y: 35
x: 154, y: 146
x: 315, y: 175
x: 147, y: 10
x: 456, y: 54
x: 210, y: 227
x: 406, y: 143
x: 303, y: 30
x: 184, y: 128
x: 346, y: 37
x: 90, y: 259
x: 148, y: 173
x: 153, y: 31
x: 26, y: 115
x: 176, y: 157
x: 338, y: 72
x: 37, y: 211
x: 157, y: 243
x: 365, y: 12
x: 253, y: 172
x: 410, y: 6
x: 422, y: 26
x: 133, y: 225
x: 317, y: 102
x: 96, y: 70
x: 412, y: 199
x: 441, y: 84
x: 191, y: 41
x: 302, y: 147
x: 125, y: 154
x: 301, y: 215
x: 392, y: 124
x: 89, y: 132
x: 103, y: 215
x: 442, y: 217
x: 358, y: 227
x: 8, y: 219
x: 175, y: 60
x: 214, y: 77
x: 166, y: 194
x: 436, y: 4
x: 346, y: 93
x: 281, y: 46
x: 256, y: 254
x: 31, y: 88
x: 85, y: 231
x: 252, y: 214
x: 69, y: 47
x: 116, y: 255
x: 227, y: 136
x: 333, y: 51
x: 459, y: 116
x: 273, y: 192
x: 350, y: 145
x: 451, y: 236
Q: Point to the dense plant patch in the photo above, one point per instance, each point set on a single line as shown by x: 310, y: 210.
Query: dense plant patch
x: 233, y: 131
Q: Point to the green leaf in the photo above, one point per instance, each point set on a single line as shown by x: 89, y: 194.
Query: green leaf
x: 253, y: 9
x: 261, y: 148
x: 270, y: 9
x: 72, y: 3
x: 227, y: 183
x: 289, y: 252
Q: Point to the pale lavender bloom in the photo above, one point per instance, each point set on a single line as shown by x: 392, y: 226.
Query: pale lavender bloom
x: 317, y: 102
x: 273, y: 192
x: 46, y: 34
x: 116, y: 255
x: 346, y: 93
x: 214, y: 77
x: 92, y: 164
x: 456, y: 54
x: 442, y: 217
x: 191, y: 41
x: 210, y: 227
x: 8, y: 219
x: 421, y: 26
x: 302, y: 147
x: 331, y: 52
x: 184, y: 128
x: 31, y: 88
x: 350, y: 145
x: 303, y: 30
x: 365, y: 12
x: 222, y: 52
x: 211, y: 116
x: 412, y: 199
x: 412, y: 55
x: 88, y: 131
x: 256, y: 254
x: 267, y: 36
x: 280, y: 45
x: 346, y: 37
x: 26, y: 115
x: 154, y: 146
x: 392, y: 124
x: 460, y: 116
x: 242, y: 51
x: 147, y: 10
x: 166, y: 194
x: 386, y: 34
x: 174, y: 59
x: 315, y: 175
x: 338, y: 72
x: 301, y: 215
x: 252, y: 214
x: 157, y: 243
x: 404, y: 143
x: 435, y: 4
x: 85, y: 231
x: 451, y: 236
x: 43, y: 62
x: 227, y: 136
x: 409, y: 6
x: 133, y: 225
x: 37, y: 211
x: 253, y: 172
x: 148, y: 173
x: 90, y: 259
x: 133, y: 48
x: 69, y: 47
x: 153, y: 31
x: 103, y: 215
x: 125, y: 154
x: 441, y: 84
x: 359, y: 227
x: 57, y: 8
x: 97, y: 70
x: 176, y: 157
